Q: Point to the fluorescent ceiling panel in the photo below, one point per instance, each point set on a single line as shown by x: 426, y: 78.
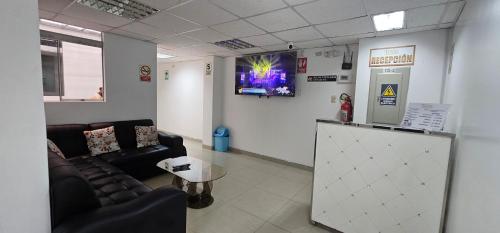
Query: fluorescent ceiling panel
x: 390, y: 21
x: 129, y: 9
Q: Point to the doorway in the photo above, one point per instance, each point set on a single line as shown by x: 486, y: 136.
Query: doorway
x: 388, y: 92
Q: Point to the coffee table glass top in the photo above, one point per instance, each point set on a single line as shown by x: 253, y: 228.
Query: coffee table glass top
x: 200, y: 171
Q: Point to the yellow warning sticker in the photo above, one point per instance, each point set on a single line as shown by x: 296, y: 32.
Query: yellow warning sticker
x: 389, y: 92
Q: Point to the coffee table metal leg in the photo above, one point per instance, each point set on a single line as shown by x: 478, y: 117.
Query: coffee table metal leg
x: 207, y: 188
x: 200, y: 200
x: 177, y: 182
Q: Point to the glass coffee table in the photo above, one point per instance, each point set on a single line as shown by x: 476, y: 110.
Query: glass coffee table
x: 200, y: 172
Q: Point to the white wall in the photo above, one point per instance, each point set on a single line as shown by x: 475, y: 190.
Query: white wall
x: 127, y: 98
x: 180, y: 98
x: 24, y: 193
x: 427, y: 75
x: 473, y: 89
x: 283, y: 127
x: 213, y: 98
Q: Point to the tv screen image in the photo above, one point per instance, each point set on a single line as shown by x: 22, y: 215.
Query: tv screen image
x: 270, y: 74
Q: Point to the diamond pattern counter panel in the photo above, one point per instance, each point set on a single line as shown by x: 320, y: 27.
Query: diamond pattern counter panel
x: 369, y: 180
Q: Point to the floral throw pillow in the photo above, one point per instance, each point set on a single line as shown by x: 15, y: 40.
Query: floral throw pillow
x: 53, y: 147
x: 101, y: 141
x: 146, y: 136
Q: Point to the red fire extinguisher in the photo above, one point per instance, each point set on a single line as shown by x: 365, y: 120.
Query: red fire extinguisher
x: 345, y: 108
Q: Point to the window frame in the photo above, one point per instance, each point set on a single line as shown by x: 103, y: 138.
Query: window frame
x: 59, y: 38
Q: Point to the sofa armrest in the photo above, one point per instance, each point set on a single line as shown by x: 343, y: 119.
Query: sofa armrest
x: 172, y: 141
x: 161, y: 211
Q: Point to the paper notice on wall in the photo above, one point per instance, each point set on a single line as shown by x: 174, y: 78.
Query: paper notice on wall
x: 425, y: 116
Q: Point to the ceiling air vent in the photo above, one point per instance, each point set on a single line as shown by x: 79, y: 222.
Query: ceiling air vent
x: 234, y: 44
x: 129, y: 9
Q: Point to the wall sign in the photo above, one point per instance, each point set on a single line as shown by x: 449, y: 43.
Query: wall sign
x: 394, y: 56
x: 208, y: 69
x: 389, y: 94
x: 322, y: 78
x: 426, y: 116
x: 167, y: 74
x: 302, y: 65
x: 145, y: 73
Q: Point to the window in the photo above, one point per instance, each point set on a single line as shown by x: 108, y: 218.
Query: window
x: 72, y: 63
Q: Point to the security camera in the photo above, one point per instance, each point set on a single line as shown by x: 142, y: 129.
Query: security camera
x: 290, y: 46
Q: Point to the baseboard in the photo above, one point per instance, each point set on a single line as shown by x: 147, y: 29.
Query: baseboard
x: 183, y: 136
x: 265, y: 157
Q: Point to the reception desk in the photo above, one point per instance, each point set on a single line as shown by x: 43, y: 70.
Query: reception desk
x: 372, y: 179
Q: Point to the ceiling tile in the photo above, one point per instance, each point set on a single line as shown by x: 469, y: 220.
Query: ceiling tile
x: 262, y: 40
x: 324, y: 11
x: 132, y: 35
x: 81, y: 23
x: 278, y: 20
x: 54, y: 5
x: 276, y: 47
x: 245, y: 8
x: 162, y: 4
x: 300, y: 34
x: 342, y: 40
x: 170, y: 24
x: 453, y: 12
x: 385, y: 6
x: 313, y: 43
x: 239, y: 28
x: 93, y: 15
x: 250, y: 50
x: 144, y: 29
x: 347, y: 27
x: 296, y: 2
x: 407, y: 30
x: 207, y: 35
x: 176, y: 42
x: 46, y: 14
x: 203, y: 12
x: 424, y: 16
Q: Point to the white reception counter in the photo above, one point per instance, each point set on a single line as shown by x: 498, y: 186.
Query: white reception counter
x: 370, y: 179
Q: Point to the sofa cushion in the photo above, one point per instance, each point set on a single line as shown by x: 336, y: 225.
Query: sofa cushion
x: 69, y: 138
x: 102, y: 141
x: 124, y: 131
x: 111, y: 185
x: 146, y: 136
x: 53, y: 147
x: 129, y: 156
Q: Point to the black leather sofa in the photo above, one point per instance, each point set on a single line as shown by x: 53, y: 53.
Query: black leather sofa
x: 137, y: 162
x: 100, y: 194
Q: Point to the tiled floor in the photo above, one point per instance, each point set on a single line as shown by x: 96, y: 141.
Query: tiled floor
x: 255, y: 196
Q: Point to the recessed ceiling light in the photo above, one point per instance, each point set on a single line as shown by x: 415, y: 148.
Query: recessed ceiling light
x: 129, y: 9
x: 391, y: 21
x: 52, y: 23
x: 64, y: 26
x: 164, y: 56
x: 75, y: 28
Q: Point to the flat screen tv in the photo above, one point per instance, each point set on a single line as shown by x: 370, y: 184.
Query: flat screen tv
x: 269, y: 74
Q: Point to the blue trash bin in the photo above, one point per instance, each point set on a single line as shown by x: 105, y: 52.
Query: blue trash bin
x: 221, y: 139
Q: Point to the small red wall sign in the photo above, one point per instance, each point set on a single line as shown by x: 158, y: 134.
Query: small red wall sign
x: 145, y: 73
x: 302, y: 65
